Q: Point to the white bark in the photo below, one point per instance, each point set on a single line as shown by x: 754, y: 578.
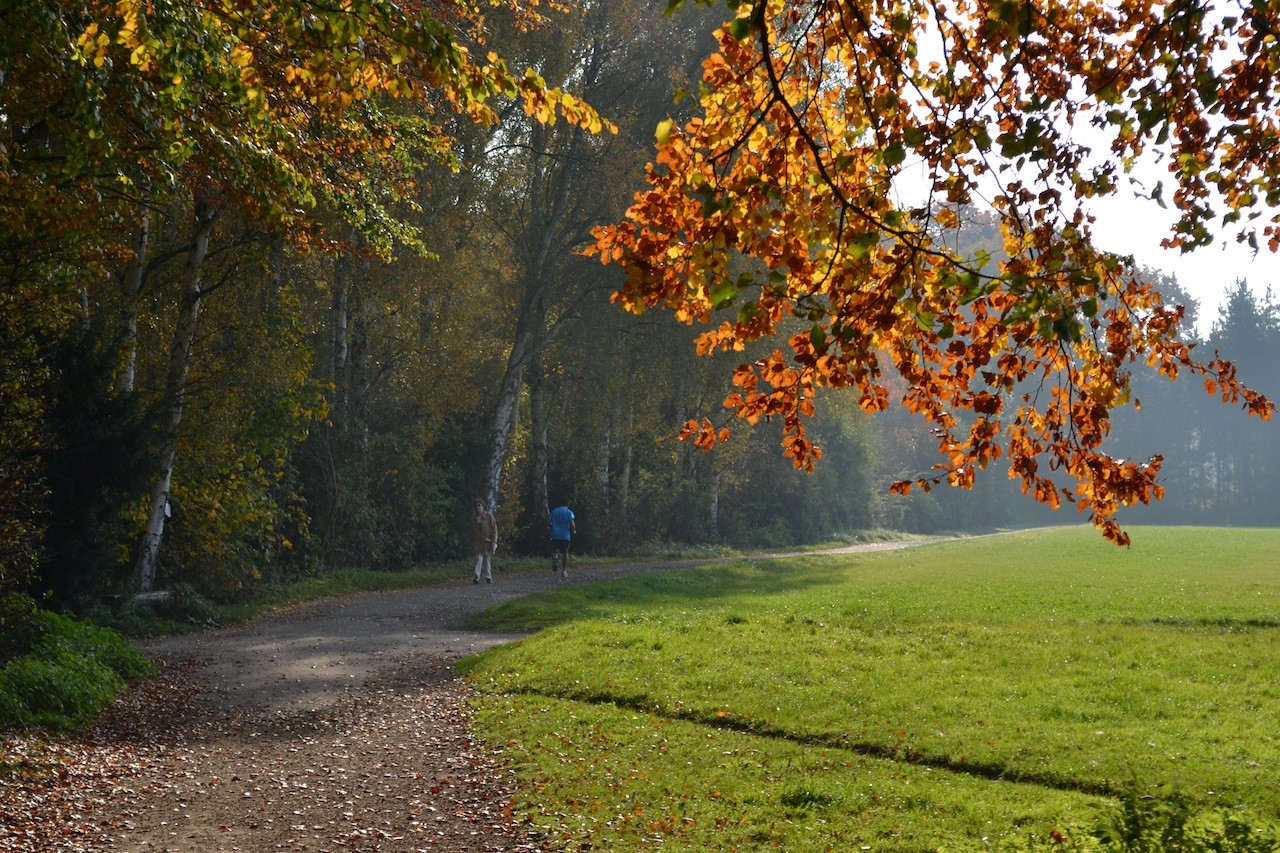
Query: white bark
x: 339, y: 325
x: 538, y: 423
x: 175, y: 390
x: 530, y: 325
x: 505, y: 418
x: 624, y: 475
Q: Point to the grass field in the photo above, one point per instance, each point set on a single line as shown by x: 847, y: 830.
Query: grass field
x: 982, y: 693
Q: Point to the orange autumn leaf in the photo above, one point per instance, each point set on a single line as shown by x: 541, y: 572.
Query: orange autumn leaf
x: 811, y: 116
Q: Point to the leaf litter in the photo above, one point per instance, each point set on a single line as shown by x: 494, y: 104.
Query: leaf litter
x: 335, y: 726
x: 390, y: 768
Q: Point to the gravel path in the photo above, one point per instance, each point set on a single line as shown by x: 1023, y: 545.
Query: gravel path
x: 336, y: 725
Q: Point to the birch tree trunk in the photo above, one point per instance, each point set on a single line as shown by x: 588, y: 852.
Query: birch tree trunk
x: 128, y: 331
x: 506, y: 416
x: 538, y: 425
x: 624, y: 474
x: 359, y: 365
x: 206, y: 211
x: 528, y: 340
x: 603, y: 453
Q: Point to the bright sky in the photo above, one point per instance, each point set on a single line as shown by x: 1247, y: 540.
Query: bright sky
x: 1130, y: 226
x: 1134, y: 227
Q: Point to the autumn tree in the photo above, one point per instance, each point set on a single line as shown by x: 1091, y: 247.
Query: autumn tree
x: 815, y: 119
x: 547, y: 185
x: 304, y: 120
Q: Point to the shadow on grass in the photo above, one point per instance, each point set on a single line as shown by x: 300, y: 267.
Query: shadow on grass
x: 1223, y: 624
x: 995, y: 771
x: 701, y: 583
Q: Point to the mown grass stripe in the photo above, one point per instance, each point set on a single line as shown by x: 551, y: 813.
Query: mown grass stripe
x: 991, y: 771
x: 1018, y: 680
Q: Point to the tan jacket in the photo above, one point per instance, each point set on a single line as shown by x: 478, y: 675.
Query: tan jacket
x: 484, y: 533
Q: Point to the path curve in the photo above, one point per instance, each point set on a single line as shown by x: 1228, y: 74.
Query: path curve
x: 334, y: 725
x: 309, y: 656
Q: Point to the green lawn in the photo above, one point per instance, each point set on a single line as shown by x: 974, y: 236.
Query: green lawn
x: 995, y: 688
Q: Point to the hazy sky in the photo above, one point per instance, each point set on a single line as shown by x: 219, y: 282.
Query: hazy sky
x: 1136, y: 227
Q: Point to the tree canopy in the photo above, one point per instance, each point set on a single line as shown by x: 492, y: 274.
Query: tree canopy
x: 306, y: 275
x: 786, y: 207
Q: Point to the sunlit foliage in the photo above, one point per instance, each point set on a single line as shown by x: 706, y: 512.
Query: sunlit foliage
x: 814, y: 119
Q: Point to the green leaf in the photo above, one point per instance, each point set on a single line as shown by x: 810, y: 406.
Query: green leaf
x: 817, y: 337
x: 1157, y: 194
x: 1066, y: 329
x: 740, y: 28
x: 1026, y: 20
x: 861, y: 245
x: 894, y: 154
x: 982, y: 138
x: 723, y: 293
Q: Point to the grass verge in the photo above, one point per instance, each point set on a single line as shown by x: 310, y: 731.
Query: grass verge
x: 1037, y: 674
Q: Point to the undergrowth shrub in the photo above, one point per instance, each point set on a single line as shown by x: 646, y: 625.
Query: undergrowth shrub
x: 182, y: 604
x: 64, y: 673
x: 182, y: 609
x: 1164, y: 822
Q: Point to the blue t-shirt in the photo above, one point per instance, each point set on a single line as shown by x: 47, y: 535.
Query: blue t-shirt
x: 561, y: 518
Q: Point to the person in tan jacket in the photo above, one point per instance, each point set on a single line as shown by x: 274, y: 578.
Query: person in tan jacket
x: 484, y: 540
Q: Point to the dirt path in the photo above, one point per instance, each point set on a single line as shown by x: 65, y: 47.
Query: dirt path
x: 337, y: 725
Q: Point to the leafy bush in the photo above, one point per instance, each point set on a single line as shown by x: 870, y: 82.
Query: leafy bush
x: 65, y: 673
x: 378, y: 501
x: 179, y: 610
x: 659, y: 549
x: 1164, y: 822
x: 183, y: 604
x: 15, y: 615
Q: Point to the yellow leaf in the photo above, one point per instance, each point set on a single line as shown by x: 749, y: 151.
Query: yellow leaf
x: 663, y: 133
x: 241, y: 55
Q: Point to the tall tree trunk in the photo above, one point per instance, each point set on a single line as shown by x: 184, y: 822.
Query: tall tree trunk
x: 351, y: 314
x: 524, y: 347
x: 359, y: 364
x: 624, y: 473
x: 713, y: 514
x: 602, y: 473
x: 530, y: 325
x: 128, y: 332
x: 538, y: 425
x: 505, y: 417
x: 338, y: 338
x: 206, y: 212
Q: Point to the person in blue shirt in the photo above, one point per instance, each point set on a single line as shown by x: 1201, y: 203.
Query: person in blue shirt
x: 562, y: 529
